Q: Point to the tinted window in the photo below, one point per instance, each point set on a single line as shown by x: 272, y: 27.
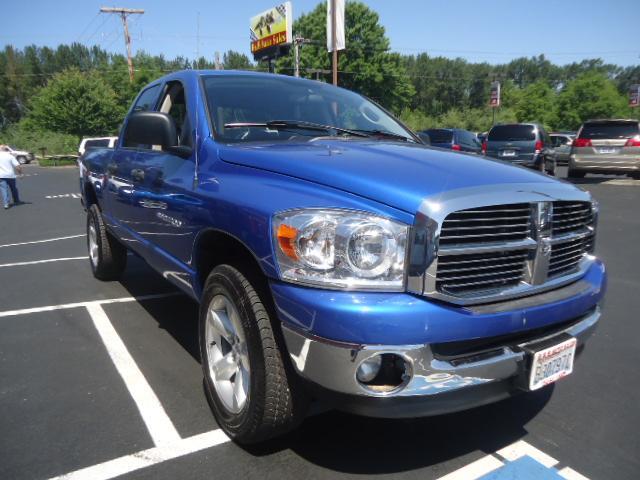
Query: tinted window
x: 147, y: 99
x: 260, y: 99
x: 609, y: 130
x: 440, y: 135
x: 512, y: 133
x: 96, y: 143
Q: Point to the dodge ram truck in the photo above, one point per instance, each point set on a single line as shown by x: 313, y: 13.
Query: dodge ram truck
x: 335, y: 257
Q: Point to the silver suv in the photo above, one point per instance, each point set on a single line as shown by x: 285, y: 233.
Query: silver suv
x: 606, y: 146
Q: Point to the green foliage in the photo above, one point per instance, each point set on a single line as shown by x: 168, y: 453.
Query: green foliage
x: 236, y: 61
x: 77, y: 104
x: 536, y: 103
x: 366, y: 66
x: 591, y: 95
x: 57, y: 162
x: 25, y: 136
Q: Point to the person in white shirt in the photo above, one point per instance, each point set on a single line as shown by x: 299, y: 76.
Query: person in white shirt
x: 8, y: 168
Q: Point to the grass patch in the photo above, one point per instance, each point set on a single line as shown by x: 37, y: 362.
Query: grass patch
x: 57, y: 162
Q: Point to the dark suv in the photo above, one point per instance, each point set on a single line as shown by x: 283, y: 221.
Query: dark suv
x: 454, y: 139
x: 526, y: 144
x: 606, y: 146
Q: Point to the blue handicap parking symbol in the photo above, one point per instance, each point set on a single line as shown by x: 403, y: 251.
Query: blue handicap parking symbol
x: 524, y: 468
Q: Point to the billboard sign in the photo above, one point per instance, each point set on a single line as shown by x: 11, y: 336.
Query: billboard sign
x: 634, y: 96
x: 271, y: 29
x: 494, y: 96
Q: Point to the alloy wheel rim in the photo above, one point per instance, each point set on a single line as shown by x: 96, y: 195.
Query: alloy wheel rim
x: 227, y: 354
x: 93, y: 245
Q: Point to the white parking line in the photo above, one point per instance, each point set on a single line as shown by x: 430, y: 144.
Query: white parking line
x: 36, y: 262
x: 147, y: 458
x: 64, y: 306
x: 155, y: 418
x: 520, y: 449
x: 42, y: 241
x: 475, y: 470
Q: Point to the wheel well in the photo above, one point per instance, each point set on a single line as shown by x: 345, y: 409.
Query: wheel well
x: 90, y: 196
x: 216, y: 248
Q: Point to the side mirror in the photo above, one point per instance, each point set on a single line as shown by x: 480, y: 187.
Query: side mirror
x: 150, y: 128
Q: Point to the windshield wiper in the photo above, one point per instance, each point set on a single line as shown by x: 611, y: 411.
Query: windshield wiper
x: 386, y: 134
x: 294, y: 124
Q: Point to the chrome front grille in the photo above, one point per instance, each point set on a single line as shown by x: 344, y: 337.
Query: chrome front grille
x: 503, y: 222
x: 571, y: 217
x: 460, y: 273
x: 507, y: 250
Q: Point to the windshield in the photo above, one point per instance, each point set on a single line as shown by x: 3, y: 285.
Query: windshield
x: 511, y: 133
x: 234, y: 99
x: 597, y: 130
x: 440, y: 135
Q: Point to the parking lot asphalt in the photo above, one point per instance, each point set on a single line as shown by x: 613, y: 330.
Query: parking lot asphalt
x: 102, y: 380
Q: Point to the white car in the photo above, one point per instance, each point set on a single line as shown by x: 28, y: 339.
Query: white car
x: 20, y: 155
x: 92, y: 142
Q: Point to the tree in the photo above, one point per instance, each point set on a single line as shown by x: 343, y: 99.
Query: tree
x: 591, y: 95
x: 233, y: 60
x: 536, y: 103
x: 366, y: 66
x: 78, y: 104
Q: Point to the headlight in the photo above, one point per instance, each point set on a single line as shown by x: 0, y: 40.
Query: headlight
x: 340, y: 249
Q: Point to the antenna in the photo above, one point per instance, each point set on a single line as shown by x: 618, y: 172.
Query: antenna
x: 197, y: 152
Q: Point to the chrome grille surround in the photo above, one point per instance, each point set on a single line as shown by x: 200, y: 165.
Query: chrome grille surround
x: 510, y: 264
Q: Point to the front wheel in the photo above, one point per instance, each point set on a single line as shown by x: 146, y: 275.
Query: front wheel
x: 107, y: 256
x: 552, y: 171
x: 22, y: 160
x: 246, y: 381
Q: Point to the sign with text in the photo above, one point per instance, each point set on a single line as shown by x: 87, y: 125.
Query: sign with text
x: 271, y: 28
x: 494, y: 96
x: 634, y: 96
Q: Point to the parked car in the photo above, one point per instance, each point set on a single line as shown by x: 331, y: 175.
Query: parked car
x: 561, y: 143
x: 334, y: 258
x: 526, y: 144
x: 606, y: 146
x: 94, y: 142
x: 454, y: 139
x: 426, y: 139
x: 21, y: 156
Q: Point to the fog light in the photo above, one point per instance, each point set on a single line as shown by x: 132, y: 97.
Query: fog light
x: 369, y: 369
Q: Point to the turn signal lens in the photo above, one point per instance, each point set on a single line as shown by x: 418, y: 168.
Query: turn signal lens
x: 484, y: 147
x: 455, y: 147
x: 287, y: 239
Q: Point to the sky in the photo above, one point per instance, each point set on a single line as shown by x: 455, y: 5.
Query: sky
x: 494, y: 31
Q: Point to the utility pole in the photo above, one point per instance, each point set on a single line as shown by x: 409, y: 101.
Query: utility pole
x: 334, y: 42
x: 124, y: 12
x: 297, y: 44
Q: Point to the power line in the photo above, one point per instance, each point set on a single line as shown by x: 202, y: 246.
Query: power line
x: 87, y: 26
x: 124, y: 13
x: 106, y: 17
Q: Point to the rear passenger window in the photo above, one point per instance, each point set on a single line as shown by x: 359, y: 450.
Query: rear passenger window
x: 147, y: 99
x: 511, y: 133
x: 597, y: 130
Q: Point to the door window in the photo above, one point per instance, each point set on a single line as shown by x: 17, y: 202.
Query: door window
x: 147, y: 99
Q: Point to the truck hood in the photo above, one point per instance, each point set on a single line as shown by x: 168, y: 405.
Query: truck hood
x: 397, y: 174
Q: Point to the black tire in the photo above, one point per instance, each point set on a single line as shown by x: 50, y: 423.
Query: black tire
x: 273, y: 405
x: 110, y: 257
x: 576, y: 174
x: 22, y: 160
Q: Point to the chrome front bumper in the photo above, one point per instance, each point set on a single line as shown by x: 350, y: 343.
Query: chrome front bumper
x: 615, y: 163
x: 333, y: 365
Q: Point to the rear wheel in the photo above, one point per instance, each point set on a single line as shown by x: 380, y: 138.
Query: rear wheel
x: 107, y: 256
x: 576, y: 174
x: 250, y: 391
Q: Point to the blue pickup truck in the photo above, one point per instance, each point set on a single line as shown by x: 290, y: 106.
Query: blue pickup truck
x: 335, y: 257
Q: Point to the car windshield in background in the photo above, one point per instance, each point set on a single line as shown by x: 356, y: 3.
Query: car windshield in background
x: 597, y: 130
x: 96, y: 143
x: 512, y: 133
x: 239, y: 99
x: 440, y: 136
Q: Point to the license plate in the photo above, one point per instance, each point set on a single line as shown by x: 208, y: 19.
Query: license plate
x: 552, y: 364
x: 607, y: 150
x: 508, y: 153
